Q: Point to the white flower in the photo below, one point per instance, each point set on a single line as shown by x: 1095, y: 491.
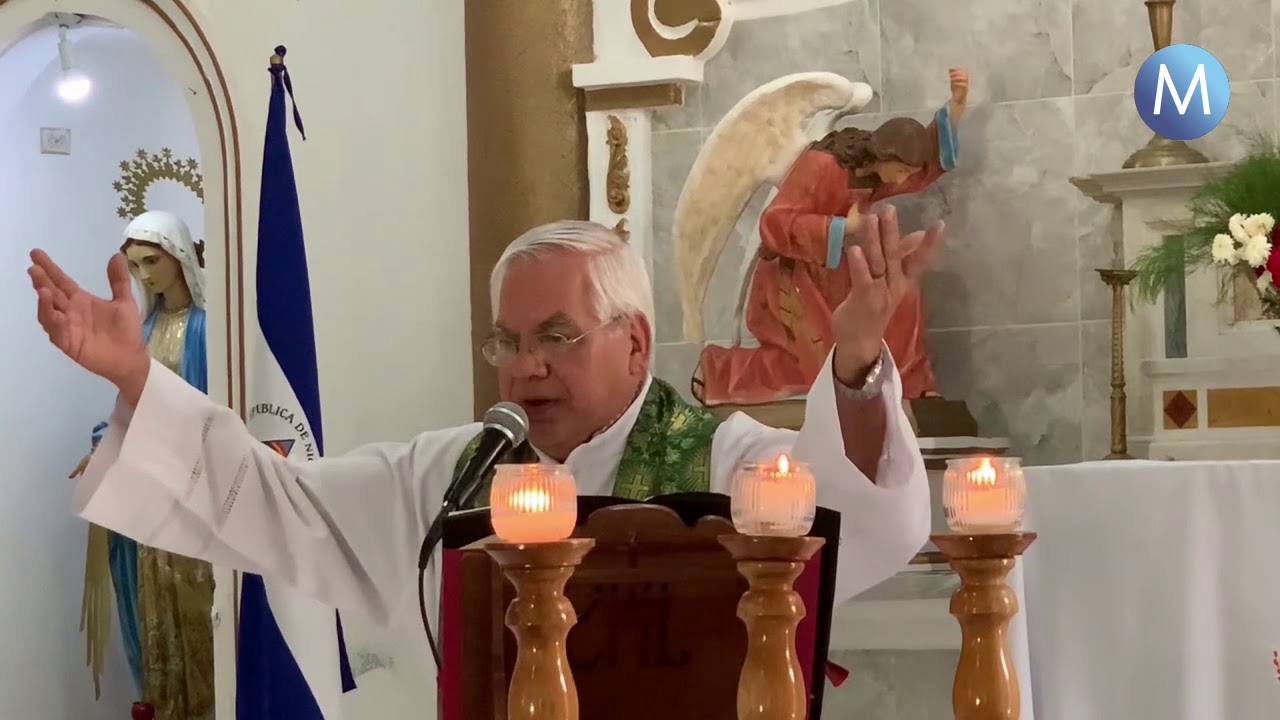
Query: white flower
x: 1264, y: 282
x: 1224, y: 249
x: 1260, y: 224
x: 1255, y: 251
x: 1236, y: 226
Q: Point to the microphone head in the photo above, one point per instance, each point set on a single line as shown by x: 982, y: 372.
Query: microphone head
x: 509, y: 418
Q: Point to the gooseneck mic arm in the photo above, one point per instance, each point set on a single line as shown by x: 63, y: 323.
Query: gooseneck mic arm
x: 505, y: 427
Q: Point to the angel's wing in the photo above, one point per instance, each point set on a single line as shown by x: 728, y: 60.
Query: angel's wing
x: 755, y: 143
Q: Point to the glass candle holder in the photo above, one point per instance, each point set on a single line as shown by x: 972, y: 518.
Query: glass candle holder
x: 532, y: 503
x: 984, y: 494
x: 773, y: 498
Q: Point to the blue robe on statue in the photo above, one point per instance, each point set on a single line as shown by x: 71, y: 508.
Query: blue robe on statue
x: 123, y: 551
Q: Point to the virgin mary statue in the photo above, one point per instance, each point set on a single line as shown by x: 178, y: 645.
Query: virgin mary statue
x: 163, y: 600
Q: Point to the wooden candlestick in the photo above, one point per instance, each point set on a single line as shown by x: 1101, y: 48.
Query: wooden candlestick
x: 986, y: 686
x: 771, y: 686
x: 1117, y: 280
x: 540, y: 616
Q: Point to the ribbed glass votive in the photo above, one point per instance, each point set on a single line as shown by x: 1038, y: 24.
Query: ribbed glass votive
x: 532, y: 503
x: 984, y: 494
x: 773, y: 498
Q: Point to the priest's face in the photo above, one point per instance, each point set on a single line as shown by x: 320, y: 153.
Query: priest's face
x: 571, y: 370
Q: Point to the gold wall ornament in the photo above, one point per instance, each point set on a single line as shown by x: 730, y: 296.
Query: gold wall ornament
x: 622, y: 231
x: 674, y: 14
x: 618, y: 177
x: 1161, y: 151
x: 144, y: 170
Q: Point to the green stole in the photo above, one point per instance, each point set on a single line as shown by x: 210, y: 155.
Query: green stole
x: 668, y: 450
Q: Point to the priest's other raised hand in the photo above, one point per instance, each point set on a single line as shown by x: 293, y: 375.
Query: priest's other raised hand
x: 104, y: 336
x: 883, y: 265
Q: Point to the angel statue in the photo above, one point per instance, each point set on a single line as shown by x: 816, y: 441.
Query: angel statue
x: 799, y: 274
x: 163, y: 601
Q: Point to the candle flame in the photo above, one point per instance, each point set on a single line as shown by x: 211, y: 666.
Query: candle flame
x: 984, y: 474
x: 784, y: 464
x: 531, y: 500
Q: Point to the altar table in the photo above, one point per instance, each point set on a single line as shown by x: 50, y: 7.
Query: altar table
x: 1153, y: 591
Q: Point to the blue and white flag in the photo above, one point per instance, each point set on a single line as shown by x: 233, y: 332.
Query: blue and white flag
x: 291, y: 663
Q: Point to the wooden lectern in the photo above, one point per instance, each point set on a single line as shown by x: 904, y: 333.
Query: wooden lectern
x: 658, y: 634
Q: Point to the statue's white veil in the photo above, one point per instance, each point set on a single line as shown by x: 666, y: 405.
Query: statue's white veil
x: 172, y: 235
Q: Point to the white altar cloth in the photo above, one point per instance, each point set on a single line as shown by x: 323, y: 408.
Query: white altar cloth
x: 1153, y: 591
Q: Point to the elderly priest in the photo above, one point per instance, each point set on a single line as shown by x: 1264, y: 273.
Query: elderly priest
x: 572, y: 342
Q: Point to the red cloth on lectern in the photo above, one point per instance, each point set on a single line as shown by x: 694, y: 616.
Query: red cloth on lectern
x: 450, y: 638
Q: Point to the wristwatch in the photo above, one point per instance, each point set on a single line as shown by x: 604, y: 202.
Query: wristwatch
x: 871, y: 387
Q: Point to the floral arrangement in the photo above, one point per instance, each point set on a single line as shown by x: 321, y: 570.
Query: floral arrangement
x: 1232, y: 225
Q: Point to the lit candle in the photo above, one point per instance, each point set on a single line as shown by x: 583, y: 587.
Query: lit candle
x: 533, y: 503
x: 773, y: 498
x: 983, y: 495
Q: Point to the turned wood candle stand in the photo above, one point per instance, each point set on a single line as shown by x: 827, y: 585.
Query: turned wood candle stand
x: 771, y: 686
x: 986, y: 684
x: 540, y: 616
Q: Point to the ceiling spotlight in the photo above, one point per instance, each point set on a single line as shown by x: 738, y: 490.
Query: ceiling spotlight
x: 73, y: 86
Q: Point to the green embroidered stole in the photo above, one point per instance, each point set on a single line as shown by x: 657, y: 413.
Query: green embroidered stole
x: 668, y: 450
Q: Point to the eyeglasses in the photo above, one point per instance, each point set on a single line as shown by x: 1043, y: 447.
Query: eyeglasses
x: 502, y: 351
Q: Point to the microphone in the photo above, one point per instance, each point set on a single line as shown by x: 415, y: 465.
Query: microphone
x: 505, y: 427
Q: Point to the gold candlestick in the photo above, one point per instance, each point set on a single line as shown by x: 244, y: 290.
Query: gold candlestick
x: 1161, y: 151
x: 1117, y: 280
x: 986, y: 686
x: 540, y: 616
x: 771, y: 687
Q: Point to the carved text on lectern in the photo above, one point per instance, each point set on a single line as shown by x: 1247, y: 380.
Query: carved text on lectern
x: 634, y: 623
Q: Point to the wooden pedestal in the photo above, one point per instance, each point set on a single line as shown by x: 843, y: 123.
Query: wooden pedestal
x: 986, y: 686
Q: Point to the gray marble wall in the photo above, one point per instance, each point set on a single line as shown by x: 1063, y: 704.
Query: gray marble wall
x: 1018, y: 319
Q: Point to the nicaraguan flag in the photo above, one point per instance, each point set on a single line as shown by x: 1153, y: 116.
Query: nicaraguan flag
x: 291, y: 663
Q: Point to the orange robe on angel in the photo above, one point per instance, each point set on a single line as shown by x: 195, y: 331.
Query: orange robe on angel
x: 800, y: 275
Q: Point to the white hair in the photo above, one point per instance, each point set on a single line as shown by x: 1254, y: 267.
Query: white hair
x: 619, y: 279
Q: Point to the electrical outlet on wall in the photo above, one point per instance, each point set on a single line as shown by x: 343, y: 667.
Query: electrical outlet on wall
x: 55, y: 141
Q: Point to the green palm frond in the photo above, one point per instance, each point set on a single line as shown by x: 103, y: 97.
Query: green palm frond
x: 1252, y: 186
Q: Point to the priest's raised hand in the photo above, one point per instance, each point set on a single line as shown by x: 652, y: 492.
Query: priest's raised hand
x: 104, y: 336
x: 883, y: 265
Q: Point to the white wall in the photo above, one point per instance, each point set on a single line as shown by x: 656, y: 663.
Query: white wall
x: 65, y: 204
x: 382, y: 182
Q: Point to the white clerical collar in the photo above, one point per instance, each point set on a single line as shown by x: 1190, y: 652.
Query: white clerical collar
x: 613, y: 436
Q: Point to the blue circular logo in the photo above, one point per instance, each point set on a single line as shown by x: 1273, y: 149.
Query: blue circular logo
x: 1182, y: 92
